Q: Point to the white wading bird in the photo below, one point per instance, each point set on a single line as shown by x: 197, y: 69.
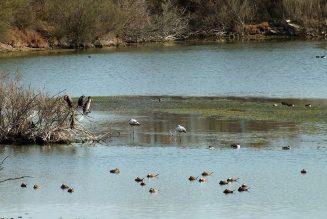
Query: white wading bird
x: 133, y: 123
x: 180, y: 129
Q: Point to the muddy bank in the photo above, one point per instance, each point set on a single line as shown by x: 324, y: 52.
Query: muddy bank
x: 20, y: 40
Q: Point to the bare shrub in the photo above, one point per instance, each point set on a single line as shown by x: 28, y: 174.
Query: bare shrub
x: 27, y: 116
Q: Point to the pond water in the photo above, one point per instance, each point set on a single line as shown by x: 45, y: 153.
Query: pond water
x: 277, y: 188
x: 270, y: 69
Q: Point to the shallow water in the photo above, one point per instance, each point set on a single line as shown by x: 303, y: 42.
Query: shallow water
x: 270, y: 69
x: 277, y: 189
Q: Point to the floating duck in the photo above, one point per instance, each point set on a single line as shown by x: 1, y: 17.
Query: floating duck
x: 152, y: 175
x: 23, y: 185
x: 143, y: 183
x: 206, y: 173
x: 303, y: 171
x: 286, y: 147
x: 228, y: 191
x: 36, y: 186
x: 193, y: 178
x: 235, y: 146
x: 243, y: 189
x: 70, y: 190
x: 152, y: 190
x: 232, y: 179
x: 64, y: 186
x: 211, y: 147
x: 275, y: 104
x: 116, y: 171
x: 223, y: 182
x: 202, y: 180
x: 138, y: 179
x: 308, y: 105
x: 244, y: 185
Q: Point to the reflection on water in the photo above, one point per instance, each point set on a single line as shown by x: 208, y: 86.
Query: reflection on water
x: 158, y: 128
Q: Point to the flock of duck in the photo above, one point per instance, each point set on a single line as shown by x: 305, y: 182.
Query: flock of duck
x: 36, y: 186
x: 203, y: 179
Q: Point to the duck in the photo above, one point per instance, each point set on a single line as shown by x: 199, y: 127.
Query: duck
x: 303, y: 171
x: 64, y: 186
x: 153, y: 190
x: 206, y: 173
x: 138, y: 179
x: 235, y: 146
x: 232, y: 179
x: 143, y: 183
x: 244, y: 185
x: 116, y: 171
x: 202, y: 180
x: 36, y: 186
x: 243, y: 189
x: 23, y: 185
x: 286, y: 147
x: 223, y: 182
x: 193, y: 178
x: 228, y: 191
x: 152, y: 175
x: 275, y: 104
x: 70, y: 190
x: 308, y: 105
x: 211, y: 147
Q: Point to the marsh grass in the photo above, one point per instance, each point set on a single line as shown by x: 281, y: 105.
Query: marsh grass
x: 230, y: 108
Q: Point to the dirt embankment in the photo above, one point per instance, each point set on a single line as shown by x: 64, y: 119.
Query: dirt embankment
x: 27, y: 40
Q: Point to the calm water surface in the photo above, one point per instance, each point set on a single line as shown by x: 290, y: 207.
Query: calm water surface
x: 271, y: 69
x: 277, y: 189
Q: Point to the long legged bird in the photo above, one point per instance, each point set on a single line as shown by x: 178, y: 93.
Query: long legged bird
x: 180, y: 129
x: 133, y: 122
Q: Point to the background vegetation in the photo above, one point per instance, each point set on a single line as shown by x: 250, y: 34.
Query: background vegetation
x: 77, y: 22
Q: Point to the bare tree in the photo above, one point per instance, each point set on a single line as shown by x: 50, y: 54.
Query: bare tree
x: 172, y: 22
